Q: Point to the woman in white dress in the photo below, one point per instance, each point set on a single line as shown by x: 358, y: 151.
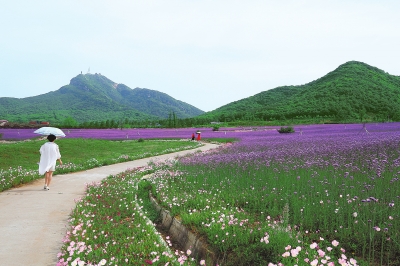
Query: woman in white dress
x: 49, y: 154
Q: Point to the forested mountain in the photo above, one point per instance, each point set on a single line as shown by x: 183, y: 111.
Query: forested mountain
x: 353, y: 91
x: 93, y: 97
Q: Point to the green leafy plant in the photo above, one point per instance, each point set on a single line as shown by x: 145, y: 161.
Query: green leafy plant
x: 216, y: 128
x: 286, y: 130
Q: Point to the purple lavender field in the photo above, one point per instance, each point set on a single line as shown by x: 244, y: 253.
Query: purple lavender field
x: 118, y: 134
x: 185, y: 133
x: 306, y: 192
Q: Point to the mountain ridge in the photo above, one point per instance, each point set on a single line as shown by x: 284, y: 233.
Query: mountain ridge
x: 94, y: 97
x: 354, y: 90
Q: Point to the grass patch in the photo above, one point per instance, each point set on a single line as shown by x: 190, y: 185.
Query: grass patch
x: 221, y: 140
x: 19, y: 160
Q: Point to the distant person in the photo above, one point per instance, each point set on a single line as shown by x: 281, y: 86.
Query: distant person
x: 49, y: 154
x: 198, y: 136
x: 192, y: 136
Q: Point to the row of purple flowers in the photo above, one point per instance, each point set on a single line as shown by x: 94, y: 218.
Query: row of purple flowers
x: 185, y: 133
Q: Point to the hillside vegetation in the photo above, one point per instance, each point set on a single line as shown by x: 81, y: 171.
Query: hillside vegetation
x: 93, y: 97
x: 354, y: 91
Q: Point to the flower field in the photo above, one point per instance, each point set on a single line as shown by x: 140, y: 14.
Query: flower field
x: 115, y: 134
x: 325, y: 195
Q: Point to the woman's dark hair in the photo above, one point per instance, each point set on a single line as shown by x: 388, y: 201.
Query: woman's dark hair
x: 51, y: 137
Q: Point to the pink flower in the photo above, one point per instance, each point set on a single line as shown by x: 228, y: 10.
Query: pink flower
x: 314, y: 262
x: 335, y: 243
x: 313, y: 245
x: 265, y: 239
x: 321, y: 253
x: 294, y: 252
x: 353, y: 261
x: 329, y: 248
x: 286, y: 254
x: 202, y: 262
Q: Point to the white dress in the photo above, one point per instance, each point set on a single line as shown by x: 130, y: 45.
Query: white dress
x: 49, y: 153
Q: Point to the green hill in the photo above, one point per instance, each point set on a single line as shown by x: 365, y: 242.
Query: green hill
x: 354, y: 91
x: 93, y: 97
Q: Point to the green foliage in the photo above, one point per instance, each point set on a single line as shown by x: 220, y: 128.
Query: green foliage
x: 286, y: 130
x: 216, y: 127
x: 69, y: 122
x: 144, y: 187
x: 354, y: 92
x: 223, y: 140
x: 140, y: 140
x: 93, y: 97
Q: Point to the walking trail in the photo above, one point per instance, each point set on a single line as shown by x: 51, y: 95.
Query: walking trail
x: 34, y: 221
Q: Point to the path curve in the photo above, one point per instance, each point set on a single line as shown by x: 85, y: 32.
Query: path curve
x: 34, y: 221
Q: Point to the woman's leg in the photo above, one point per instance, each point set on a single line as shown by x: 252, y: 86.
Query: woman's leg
x: 49, y: 176
x: 45, y: 180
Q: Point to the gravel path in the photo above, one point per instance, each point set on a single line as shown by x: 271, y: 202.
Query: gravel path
x: 34, y: 221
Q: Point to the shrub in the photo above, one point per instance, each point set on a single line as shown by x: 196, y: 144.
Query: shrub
x: 215, y: 128
x: 286, y: 130
x: 140, y: 140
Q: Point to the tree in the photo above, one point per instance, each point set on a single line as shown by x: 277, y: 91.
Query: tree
x: 70, y: 122
x: 174, y: 119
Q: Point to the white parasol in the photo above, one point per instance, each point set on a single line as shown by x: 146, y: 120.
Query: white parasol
x: 50, y: 130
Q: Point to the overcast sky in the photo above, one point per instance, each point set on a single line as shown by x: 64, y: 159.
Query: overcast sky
x: 205, y: 53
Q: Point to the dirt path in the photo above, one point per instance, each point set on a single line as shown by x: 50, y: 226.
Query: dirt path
x: 34, y: 221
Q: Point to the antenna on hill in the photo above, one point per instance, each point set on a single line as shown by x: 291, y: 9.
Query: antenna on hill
x: 364, y: 128
x: 88, y: 71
